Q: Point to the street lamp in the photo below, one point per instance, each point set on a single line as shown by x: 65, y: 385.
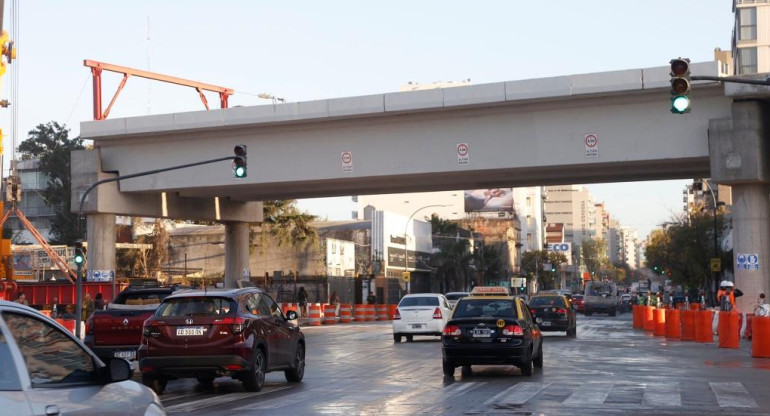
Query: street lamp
x: 715, y: 205
x: 406, y: 249
x: 266, y: 96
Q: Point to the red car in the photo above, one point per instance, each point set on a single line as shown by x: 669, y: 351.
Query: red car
x: 578, y: 303
x: 240, y: 333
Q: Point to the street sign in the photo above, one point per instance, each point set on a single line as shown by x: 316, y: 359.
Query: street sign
x: 747, y: 261
x: 518, y: 281
x: 592, y: 145
x: 560, y: 247
x: 547, y: 267
x: 716, y: 265
x: 347, y: 161
x: 463, y: 154
x: 407, y: 276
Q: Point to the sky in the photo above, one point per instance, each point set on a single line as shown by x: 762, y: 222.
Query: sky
x: 308, y: 50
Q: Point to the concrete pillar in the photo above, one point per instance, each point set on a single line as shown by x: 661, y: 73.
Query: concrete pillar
x: 101, y: 234
x: 751, y: 234
x: 236, y: 252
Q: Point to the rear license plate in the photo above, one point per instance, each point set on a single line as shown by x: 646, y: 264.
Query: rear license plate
x: 481, y: 333
x: 538, y: 320
x: 190, y: 331
x: 545, y: 323
x: 416, y: 326
x: 128, y: 355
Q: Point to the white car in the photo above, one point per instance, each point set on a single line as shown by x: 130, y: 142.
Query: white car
x: 420, y: 314
x: 453, y: 297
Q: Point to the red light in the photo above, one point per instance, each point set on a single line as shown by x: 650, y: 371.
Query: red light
x: 236, y: 323
x: 146, y: 369
x: 234, y: 367
x: 437, y: 314
x: 679, y: 67
x: 396, y: 314
x: 533, y: 311
x: 564, y: 311
x: 512, y: 330
x: 452, y: 330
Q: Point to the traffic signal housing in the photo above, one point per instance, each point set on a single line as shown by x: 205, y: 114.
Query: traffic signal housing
x: 239, y: 161
x: 80, y: 253
x: 680, y: 86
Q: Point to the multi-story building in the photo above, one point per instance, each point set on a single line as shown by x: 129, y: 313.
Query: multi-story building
x: 614, y: 242
x: 33, y: 205
x: 751, y: 37
x: 528, y: 203
x: 573, y: 206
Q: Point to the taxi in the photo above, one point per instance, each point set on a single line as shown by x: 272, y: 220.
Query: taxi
x: 491, y: 327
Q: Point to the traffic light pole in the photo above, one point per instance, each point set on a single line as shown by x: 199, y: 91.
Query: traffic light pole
x: 730, y: 79
x: 79, y: 300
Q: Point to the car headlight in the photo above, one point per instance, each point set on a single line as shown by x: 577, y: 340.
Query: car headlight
x: 154, y: 409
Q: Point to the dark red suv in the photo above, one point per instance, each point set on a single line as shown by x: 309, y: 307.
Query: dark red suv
x: 240, y: 333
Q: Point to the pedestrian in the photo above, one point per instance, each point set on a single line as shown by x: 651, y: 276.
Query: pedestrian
x: 302, y: 299
x: 99, y: 302
x: 335, y: 300
x: 56, y: 309
x: 22, y: 299
x: 726, y: 295
x: 88, y: 306
x: 371, y: 299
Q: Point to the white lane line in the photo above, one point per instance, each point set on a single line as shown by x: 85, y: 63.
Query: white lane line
x: 217, y: 400
x: 451, y: 392
x: 517, y: 394
x: 662, y: 394
x: 732, y: 394
x: 287, y: 400
x: 590, y: 393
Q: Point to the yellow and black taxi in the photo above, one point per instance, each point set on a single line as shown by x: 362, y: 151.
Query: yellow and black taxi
x: 553, y: 312
x: 491, y: 327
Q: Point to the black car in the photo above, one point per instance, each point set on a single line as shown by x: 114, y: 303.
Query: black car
x: 491, y: 330
x: 240, y: 333
x: 553, y: 313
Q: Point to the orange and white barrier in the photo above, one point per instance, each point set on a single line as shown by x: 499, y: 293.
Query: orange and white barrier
x: 68, y: 323
x: 760, y: 338
x: 381, y: 312
x: 360, y: 312
x: 330, y: 314
x: 660, y: 322
x: 688, y: 325
x: 648, y: 318
x: 346, y: 313
x: 729, y: 330
x: 314, y: 315
x: 673, y: 325
x: 703, y: 329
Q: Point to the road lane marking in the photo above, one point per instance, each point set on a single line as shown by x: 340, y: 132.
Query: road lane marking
x: 732, y: 394
x: 217, y: 400
x: 517, y: 395
x: 287, y: 400
x: 662, y: 394
x: 590, y: 393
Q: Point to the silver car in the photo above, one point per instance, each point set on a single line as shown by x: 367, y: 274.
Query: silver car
x: 44, y: 370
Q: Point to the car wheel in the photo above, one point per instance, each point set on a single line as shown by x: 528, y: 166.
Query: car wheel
x: 156, y: 383
x: 466, y: 371
x: 396, y: 338
x: 538, y: 361
x: 255, y: 379
x: 526, y: 365
x: 296, y: 373
x: 409, y: 338
x: 449, y: 369
x: 206, y: 381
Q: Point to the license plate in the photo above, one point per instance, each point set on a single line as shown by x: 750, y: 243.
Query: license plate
x: 538, y: 320
x: 481, y: 333
x: 417, y: 326
x: 190, y: 331
x: 129, y: 355
x: 545, y: 323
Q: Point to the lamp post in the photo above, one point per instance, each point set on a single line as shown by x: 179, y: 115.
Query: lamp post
x: 406, y: 248
x: 715, y: 205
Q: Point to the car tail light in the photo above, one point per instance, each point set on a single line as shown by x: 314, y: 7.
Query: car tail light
x: 396, y: 314
x: 533, y: 311
x: 146, y: 369
x: 564, y: 311
x: 437, y: 314
x: 512, y: 330
x: 452, y: 330
x: 237, y: 324
x: 90, y: 326
x: 150, y: 328
x: 234, y: 367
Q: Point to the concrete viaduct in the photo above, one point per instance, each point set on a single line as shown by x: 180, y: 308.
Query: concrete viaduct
x: 517, y: 133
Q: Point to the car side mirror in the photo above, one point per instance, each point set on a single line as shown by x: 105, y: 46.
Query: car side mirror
x: 291, y: 315
x: 120, y: 370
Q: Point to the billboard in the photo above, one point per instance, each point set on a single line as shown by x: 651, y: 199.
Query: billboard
x: 489, y: 200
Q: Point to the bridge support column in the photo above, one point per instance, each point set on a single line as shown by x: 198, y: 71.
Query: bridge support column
x: 236, y: 252
x: 101, y: 232
x: 751, y: 235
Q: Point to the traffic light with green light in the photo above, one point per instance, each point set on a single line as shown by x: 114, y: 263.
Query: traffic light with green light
x: 239, y: 161
x: 80, y: 254
x: 680, y: 86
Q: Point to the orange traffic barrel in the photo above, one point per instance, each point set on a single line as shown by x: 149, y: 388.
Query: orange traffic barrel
x: 635, y: 313
x: 68, y: 323
x: 695, y: 306
x: 314, y: 315
x: 747, y: 333
x: 660, y: 323
x: 688, y: 325
x: 360, y: 312
x: 648, y: 318
x: 392, y: 311
x: 346, y: 313
x: 760, y: 337
x: 381, y: 312
x: 703, y: 331
x: 673, y: 328
x: 330, y: 314
x: 369, y: 310
x: 729, y: 330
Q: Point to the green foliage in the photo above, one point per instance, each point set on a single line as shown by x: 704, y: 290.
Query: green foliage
x: 532, y: 265
x: 594, y: 255
x: 454, y: 265
x: 289, y: 226
x: 50, y: 143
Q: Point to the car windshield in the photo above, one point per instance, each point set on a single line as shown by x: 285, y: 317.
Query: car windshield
x: 599, y: 289
x: 487, y: 308
x: 547, y: 301
x: 196, y: 306
x: 419, y: 301
x: 455, y: 296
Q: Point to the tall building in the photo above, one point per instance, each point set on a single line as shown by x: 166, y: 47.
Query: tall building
x: 33, y: 185
x: 751, y: 37
x: 615, y: 242
x: 573, y: 206
x: 528, y: 203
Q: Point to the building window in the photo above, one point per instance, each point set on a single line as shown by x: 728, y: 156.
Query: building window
x: 747, y: 61
x: 747, y: 23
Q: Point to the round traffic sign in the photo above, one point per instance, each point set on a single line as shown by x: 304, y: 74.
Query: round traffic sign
x: 347, y: 157
x: 462, y: 149
x: 591, y: 140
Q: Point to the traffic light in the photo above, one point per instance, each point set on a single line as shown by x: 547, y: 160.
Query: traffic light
x: 553, y: 268
x: 239, y: 161
x: 680, y: 86
x: 655, y: 268
x: 80, y: 253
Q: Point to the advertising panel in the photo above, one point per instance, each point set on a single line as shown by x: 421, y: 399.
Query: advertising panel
x: 489, y: 200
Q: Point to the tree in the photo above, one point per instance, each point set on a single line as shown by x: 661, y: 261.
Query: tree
x: 454, y: 265
x: 50, y: 143
x: 532, y: 265
x: 287, y: 224
x: 594, y: 253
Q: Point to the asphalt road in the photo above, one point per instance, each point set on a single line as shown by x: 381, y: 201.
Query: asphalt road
x: 609, y: 369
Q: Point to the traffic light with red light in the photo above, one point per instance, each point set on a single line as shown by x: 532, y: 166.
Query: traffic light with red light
x: 680, y: 86
x: 239, y: 161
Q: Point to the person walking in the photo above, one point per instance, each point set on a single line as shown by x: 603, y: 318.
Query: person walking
x: 302, y: 299
x: 88, y: 306
x: 56, y: 309
x: 99, y: 302
x: 335, y: 300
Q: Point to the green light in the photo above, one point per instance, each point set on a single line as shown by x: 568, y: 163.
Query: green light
x: 79, y: 259
x: 680, y: 104
x: 240, y: 172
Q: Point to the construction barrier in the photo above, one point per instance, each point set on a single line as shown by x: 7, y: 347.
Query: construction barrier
x: 360, y: 312
x: 68, y: 323
x: 346, y: 313
x: 370, y: 316
x: 392, y: 311
x: 729, y: 330
x: 648, y: 318
x: 636, y: 312
x: 673, y: 325
x: 749, y: 320
x: 330, y: 314
x: 688, y: 325
x: 314, y: 316
x: 703, y: 330
x: 695, y: 306
x: 760, y: 341
x: 660, y: 323
x: 46, y: 312
x: 381, y: 312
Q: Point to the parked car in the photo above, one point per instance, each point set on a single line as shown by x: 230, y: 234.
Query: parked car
x: 489, y: 329
x: 578, y: 303
x: 44, y: 370
x: 453, y: 297
x: 553, y: 312
x: 204, y: 334
x: 420, y: 314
